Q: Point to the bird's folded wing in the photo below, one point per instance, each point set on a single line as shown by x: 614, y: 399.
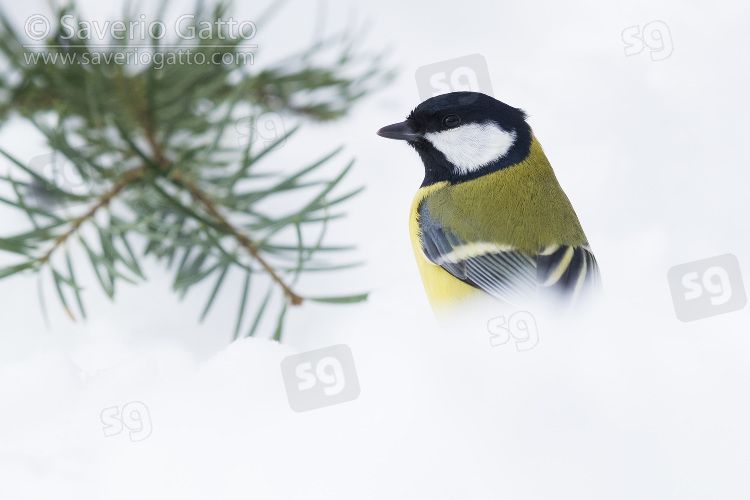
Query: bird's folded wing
x: 504, y: 272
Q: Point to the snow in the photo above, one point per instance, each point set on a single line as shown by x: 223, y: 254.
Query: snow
x: 641, y: 410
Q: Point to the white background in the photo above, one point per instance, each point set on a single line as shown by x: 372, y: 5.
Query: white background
x: 631, y: 404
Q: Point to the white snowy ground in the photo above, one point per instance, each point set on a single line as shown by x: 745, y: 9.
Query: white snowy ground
x: 630, y: 403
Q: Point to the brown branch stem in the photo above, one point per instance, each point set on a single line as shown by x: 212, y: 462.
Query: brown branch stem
x: 203, y: 199
x: 126, y: 179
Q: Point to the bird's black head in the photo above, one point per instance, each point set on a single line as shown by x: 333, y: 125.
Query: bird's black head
x: 463, y: 135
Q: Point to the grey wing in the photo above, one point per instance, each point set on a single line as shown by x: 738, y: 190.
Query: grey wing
x: 507, y: 274
x: 570, y: 271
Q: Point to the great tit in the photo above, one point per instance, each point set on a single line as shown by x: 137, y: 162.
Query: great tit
x: 490, y: 217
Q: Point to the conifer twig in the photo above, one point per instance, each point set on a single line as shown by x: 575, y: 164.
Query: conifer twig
x: 127, y: 179
x: 167, y: 152
x: 203, y: 199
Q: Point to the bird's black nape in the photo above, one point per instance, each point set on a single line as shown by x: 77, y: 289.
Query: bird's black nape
x: 454, y: 110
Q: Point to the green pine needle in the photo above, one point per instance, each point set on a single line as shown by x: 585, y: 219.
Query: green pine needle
x: 163, y: 171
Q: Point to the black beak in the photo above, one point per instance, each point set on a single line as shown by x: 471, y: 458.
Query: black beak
x: 401, y: 131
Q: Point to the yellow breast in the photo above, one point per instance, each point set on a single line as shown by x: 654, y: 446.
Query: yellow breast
x: 443, y: 290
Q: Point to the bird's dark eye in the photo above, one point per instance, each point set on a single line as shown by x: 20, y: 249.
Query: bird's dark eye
x: 451, y: 121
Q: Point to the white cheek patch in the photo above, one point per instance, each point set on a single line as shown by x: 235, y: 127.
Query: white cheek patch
x: 472, y: 146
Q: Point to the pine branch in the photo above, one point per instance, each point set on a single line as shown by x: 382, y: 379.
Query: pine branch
x: 210, y: 207
x: 128, y: 179
x: 165, y: 175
